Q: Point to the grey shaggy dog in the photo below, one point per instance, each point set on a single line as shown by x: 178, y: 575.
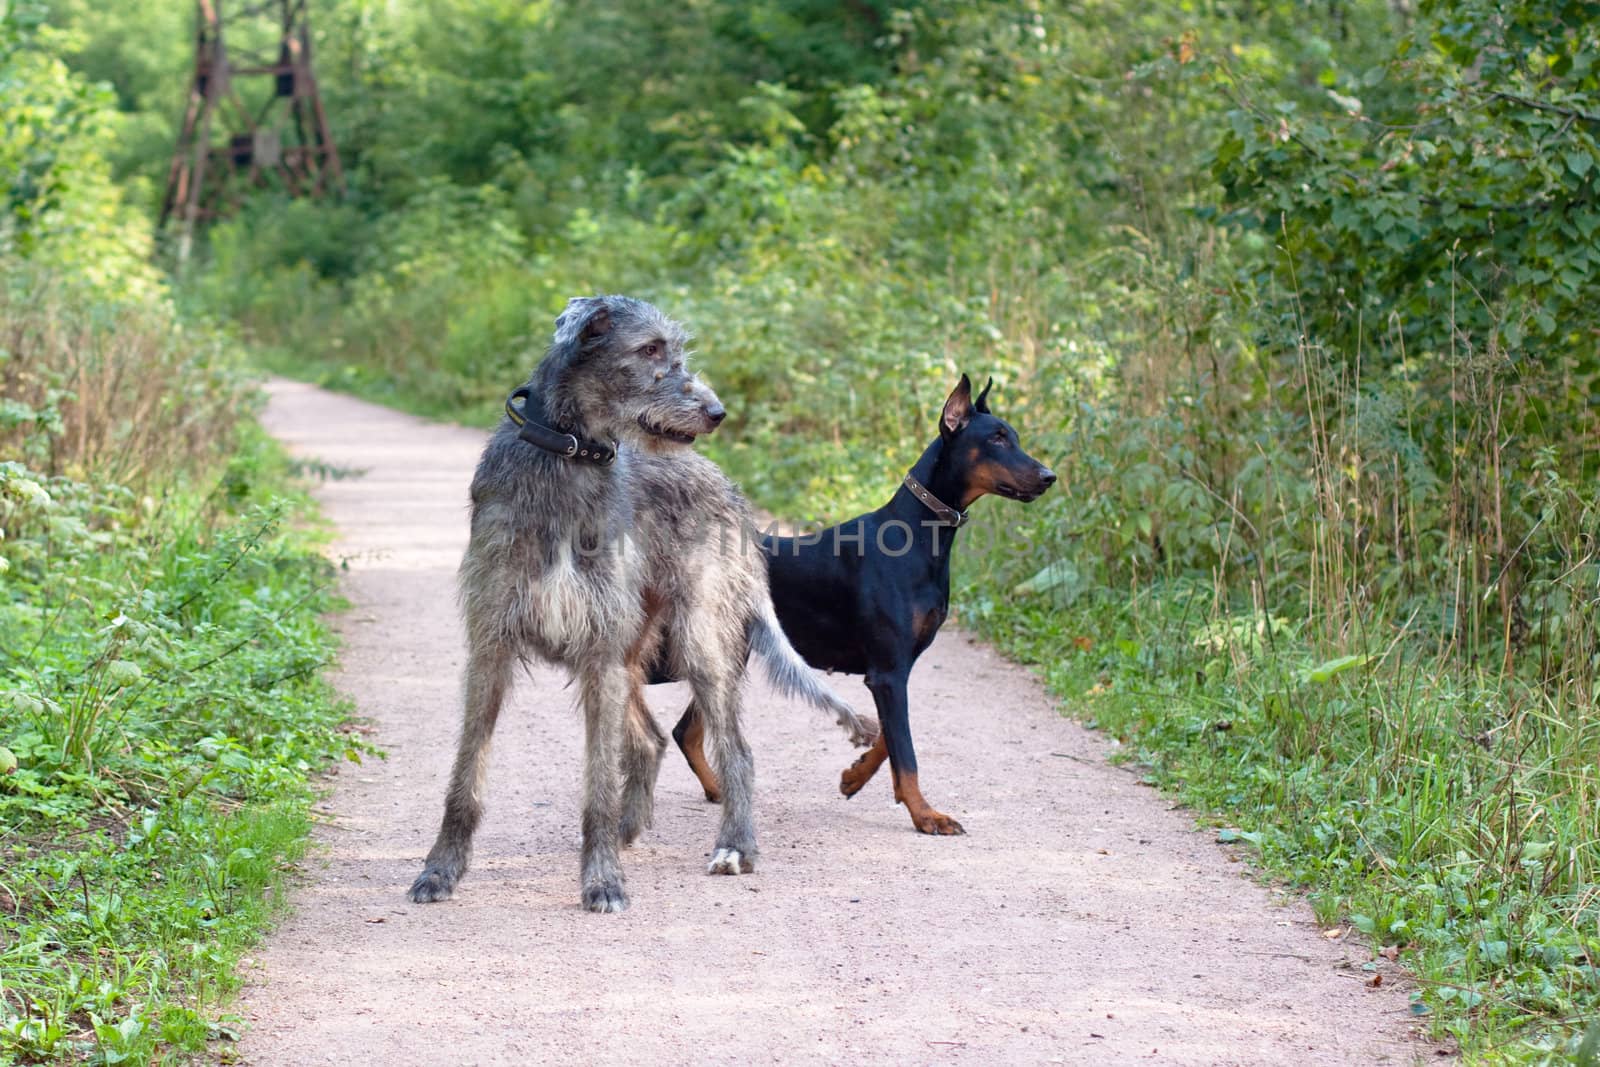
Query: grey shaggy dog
x: 599, y: 568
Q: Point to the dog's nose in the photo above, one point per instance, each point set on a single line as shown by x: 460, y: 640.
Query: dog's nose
x: 1047, y: 477
x: 716, y: 413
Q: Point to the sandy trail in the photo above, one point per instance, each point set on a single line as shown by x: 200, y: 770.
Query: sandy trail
x: 1081, y: 920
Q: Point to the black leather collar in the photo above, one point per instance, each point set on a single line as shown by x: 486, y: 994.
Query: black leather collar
x: 947, y: 514
x: 562, y: 444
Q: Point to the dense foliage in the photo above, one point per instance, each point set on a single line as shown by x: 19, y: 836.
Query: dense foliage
x: 161, y: 710
x: 1300, y: 301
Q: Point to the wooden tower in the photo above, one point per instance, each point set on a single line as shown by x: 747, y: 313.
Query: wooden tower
x: 254, y: 118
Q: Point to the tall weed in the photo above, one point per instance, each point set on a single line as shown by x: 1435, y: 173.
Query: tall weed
x: 120, y: 391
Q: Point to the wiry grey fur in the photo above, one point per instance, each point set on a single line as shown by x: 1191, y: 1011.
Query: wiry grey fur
x: 599, y: 569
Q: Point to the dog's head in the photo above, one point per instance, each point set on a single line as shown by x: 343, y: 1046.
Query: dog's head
x: 617, y: 368
x: 985, y: 449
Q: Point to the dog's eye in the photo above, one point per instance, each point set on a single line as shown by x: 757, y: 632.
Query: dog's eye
x: 1000, y: 438
x: 651, y: 350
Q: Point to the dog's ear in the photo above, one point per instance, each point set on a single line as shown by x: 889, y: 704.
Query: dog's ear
x: 957, y: 409
x: 597, y: 323
x: 981, y: 405
x: 583, y: 319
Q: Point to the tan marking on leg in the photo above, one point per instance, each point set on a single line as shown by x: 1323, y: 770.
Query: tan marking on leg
x: 866, y: 765
x: 694, y: 750
x: 923, y: 815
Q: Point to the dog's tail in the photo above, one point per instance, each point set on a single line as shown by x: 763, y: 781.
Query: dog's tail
x: 789, y: 675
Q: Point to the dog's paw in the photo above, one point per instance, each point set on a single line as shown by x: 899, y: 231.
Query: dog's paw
x: 431, y: 885
x: 936, y: 822
x: 631, y: 827
x: 854, y: 777
x: 730, y: 861
x: 605, y: 897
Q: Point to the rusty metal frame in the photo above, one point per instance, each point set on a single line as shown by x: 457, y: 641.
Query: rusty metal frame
x: 207, y: 179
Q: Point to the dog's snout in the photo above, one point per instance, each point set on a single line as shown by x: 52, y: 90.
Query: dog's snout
x: 716, y: 413
x: 1047, y: 477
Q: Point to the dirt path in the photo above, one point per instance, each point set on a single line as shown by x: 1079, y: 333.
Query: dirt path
x: 1081, y: 920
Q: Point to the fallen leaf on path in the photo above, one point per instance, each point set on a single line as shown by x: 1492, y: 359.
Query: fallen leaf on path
x: 1375, y: 981
x: 1333, y: 934
x: 1390, y: 952
x: 375, y: 919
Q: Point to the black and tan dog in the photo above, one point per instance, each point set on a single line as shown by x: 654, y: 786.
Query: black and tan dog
x: 869, y: 595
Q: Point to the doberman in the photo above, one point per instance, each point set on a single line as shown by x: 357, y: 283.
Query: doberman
x: 868, y: 596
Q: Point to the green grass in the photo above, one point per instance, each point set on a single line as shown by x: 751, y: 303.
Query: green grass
x: 1448, y: 815
x: 160, y: 690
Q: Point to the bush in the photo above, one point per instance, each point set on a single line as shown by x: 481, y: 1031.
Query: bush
x: 114, y: 390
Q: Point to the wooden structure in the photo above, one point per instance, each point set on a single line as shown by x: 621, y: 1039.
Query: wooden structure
x: 254, y: 117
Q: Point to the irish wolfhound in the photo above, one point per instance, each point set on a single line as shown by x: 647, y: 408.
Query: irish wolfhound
x: 588, y: 549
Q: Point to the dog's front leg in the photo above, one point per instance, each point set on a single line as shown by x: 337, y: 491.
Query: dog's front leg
x: 605, y: 696
x: 889, y: 691
x: 488, y: 676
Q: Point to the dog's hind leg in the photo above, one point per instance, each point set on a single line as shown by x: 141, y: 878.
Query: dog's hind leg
x: 690, y: 734
x: 643, y: 745
x: 717, y: 697
x: 606, y: 692
x: 488, y: 676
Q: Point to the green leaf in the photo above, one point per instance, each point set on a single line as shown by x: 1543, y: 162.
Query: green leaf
x: 1058, y: 575
x: 1332, y: 668
x: 1230, y: 149
x: 1536, y: 850
x: 122, y: 673
x: 1588, y: 1053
